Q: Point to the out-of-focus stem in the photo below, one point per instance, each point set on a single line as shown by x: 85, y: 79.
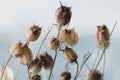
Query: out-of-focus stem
x: 5, y: 67
x: 76, y: 70
x: 16, y: 73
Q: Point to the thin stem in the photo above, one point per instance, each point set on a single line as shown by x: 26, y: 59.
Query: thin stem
x: 17, y: 71
x: 104, y: 64
x: 113, y: 28
x: 87, y: 66
x: 5, y: 67
x: 76, y: 71
x: 53, y: 65
x: 55, y: 55
x: 28, y: 72
x: 66, y: 66
x: 43, y: 41
x: 83, y: 64
x: 100, y: 59
x: 96, y: 59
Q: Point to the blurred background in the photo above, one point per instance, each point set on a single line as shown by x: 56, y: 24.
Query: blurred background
x: 16, y: 16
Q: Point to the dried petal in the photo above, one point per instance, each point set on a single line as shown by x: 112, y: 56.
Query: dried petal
x: 70, y: 55
x: 54, y: 43
x: 35, y: 67
x: 33, y: 33
x: 94, y: 75
x: 63, y: 15
x: 65, y: 75
x: 36, y: 77
x: 103, y: 37
x: 26, y: 57
x: 47, y: 60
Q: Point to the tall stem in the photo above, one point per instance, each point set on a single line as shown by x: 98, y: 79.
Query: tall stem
x: 100, y: 59
x: 76, y: 71
x: 43, y: 41
x: 5, y: 67
x: 17, y: 71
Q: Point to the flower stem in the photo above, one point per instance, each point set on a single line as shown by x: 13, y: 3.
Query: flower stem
x: 17, y: 71
x: 76, y: 71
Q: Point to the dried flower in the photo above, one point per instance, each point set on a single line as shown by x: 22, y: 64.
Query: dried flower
x: 65, y: 75
x: 94, y: 75
x: 73, y: 38
x: 35, y: 67
x: 103, y: 36
x: 63, y: 15
x: 54, y: 43
x: 70, y: 55
x: 65, y: 35
x: 47, y: 60
x: 26, y: 56
x: 33, y: 33
x: 17, y: 49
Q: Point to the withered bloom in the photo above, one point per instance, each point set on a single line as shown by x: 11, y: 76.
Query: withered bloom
x: 94, y: 75
x: 26, y: 56
x: 35, y: 67
x: 33, y: 33
x: 65, y: 75
x: 73, y: 38
x: 70, y: 55
x: 36, y: 77
x: 47, y: 60
x: 63, y: 15
x: 69, y: 36
x: 53, y: 43
x: 17, y: 49
x: 103, y: 36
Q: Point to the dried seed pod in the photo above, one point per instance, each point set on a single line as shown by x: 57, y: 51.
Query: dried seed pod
x: 36, y: 77
x: 73, y: 38
x: 47, y: 60
x: 17, y: 49
x: 35, y: 67
x: 26, y: 57
x: 70, y: 55
x: 65, y: 75
x: 63, y: 15
x: 65, y: 35
x: 53, y: 43
x: 103, y: 37
x: 94, y: 75
x: 33, y: 33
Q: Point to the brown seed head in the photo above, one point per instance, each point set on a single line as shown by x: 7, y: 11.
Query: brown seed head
x: 63, y: 15
x: 94, y: 75
x: 33, y: 33
x: 54, y: 43
x: 35, y: 67
x: 47, y: 60
x: 65, y: 75
x: 103, y: 37
x: 65, y: 35
x: 70, y: 55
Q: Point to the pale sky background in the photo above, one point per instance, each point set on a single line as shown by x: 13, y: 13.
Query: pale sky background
x: 17, y: 15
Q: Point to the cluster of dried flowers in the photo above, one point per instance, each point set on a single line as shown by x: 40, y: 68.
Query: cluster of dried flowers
x: 65, y: 36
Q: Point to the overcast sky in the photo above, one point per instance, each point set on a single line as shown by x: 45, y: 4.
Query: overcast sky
x: 17, y: 15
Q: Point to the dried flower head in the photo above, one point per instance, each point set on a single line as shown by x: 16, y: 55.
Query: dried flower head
x: 53, y: 43
x: 36, y: 77
x: 73, y: 38
x: 47, y: 60
x: 65, y: 75
x: 94, y: 75
x: 33, y: 33
x: 70, y: 55
x: 63, y: 15
x: 103, y: 36
x: 27, y: 55
x: 17, y: 49
x: 35, y: 67
x: 65, y: 35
